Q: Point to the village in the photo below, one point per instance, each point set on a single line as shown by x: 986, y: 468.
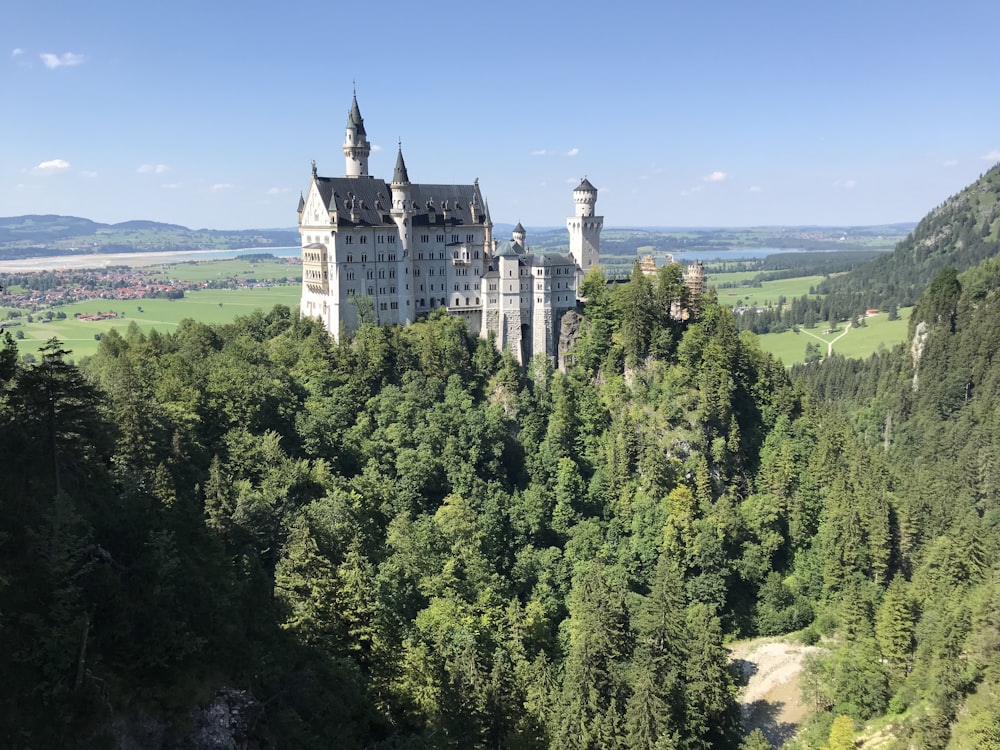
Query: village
x: 36, y: 290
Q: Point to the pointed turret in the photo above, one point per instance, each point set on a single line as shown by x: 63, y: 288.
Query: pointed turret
x: 302, y: 203
x: 356, y: 146
x: 402, y: 204
x: 399, y: 176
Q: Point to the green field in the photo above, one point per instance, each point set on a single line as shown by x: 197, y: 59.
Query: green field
x: 208, y: 306
x: 859, y: 343
x: 219, y: 270
x: 766, y: 294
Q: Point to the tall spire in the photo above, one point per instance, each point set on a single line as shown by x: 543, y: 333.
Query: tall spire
x: 399, y: 176
x: 354, y: 118
x: 356, y: 146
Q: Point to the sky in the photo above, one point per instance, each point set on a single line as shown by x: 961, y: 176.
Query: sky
x: 684, y: 114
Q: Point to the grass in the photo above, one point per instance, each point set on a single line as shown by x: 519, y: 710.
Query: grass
x: 766, y: 294
x: 217, y: 270
x: 208, y: 306
x: 858, y: 343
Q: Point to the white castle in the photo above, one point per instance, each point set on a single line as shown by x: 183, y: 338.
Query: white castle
x: 388, y: 253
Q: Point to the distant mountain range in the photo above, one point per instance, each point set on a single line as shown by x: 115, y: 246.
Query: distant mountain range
x: 49, y: 234
x: 35, y: 235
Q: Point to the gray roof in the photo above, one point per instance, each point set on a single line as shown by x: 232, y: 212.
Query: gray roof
x: 585, y: 185
x: 372, y: 200
x: 508, y: 249
x: 519, y: 228
x: 548, y: 259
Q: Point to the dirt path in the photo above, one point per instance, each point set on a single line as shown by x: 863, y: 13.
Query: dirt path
x: 770, y: 699
x: 829, y: 344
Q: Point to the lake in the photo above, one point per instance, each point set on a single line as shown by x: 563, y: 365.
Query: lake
x: 103, y: 260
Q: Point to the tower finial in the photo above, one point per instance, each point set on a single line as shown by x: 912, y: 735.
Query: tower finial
x: 314, y: 167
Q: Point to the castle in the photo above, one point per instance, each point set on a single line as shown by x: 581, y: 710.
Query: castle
x: 388, y: 253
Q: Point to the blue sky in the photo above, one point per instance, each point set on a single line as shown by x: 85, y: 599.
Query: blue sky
x: 718, y: 113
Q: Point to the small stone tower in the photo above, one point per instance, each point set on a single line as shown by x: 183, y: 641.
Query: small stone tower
x: 585, y: 228
x: 356, y: 146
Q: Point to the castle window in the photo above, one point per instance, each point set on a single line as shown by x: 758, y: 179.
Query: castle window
x: 394, y: 305
x: 440, y: 238
x: 348, y: 239
x: 371, y: 274
x: 477, y: 255
x: 381, y: 257
x: 466, y: 287
x: 364, y: 239
x: 430, y: 271
x: 456, y: 287
x: 371, y: 291
x: 425, y: 238
x: 477, y: 300
x: 392, y: 273
x: 454, y: 238
x: 381, y: 306
x: 350, y: 275
x: 392, y: 238
x: 470, y: 238
x: 392, y: 257
x: 420, y: 256
x: 364, y: 258
x: 350, y: 258
x: 392, y: 290
x: 381, y: 273
x: 381, y: 239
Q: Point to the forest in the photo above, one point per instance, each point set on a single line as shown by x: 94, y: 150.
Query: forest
x: 407, y: 540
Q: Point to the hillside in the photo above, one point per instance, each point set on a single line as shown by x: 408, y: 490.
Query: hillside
x: 50, y: 234
x: 960, y: 233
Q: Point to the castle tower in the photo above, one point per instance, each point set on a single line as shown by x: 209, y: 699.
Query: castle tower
x: 519, y: 235
x: 356, y: 146
x: 585, y: 228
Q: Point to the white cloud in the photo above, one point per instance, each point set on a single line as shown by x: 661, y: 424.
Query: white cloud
x: 221, y: 186
x: 950, y: 163
x: 572, y: 180
x: 845, y: 184
x: 277, y: 191
x: 573, y: 152
x: 993, y: 155
x: 376, y: 148
x: 692, y: 191
x: 65, y: 60
x: 715, y: 176
x: 16, y: 51
x: 755, y: 188
x: 153, y: 169
x: 539, y: 152
x: 88, y: 173
x: 53, y: 166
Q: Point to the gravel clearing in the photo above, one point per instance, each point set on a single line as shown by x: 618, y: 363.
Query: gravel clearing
x: 770, y: 698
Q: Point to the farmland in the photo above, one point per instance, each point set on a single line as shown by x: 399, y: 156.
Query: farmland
x: 206, y: 306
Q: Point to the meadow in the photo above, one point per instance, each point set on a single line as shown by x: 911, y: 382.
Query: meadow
x: 859, y: 343
x: 206, y: 306
x: 767, y: 294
